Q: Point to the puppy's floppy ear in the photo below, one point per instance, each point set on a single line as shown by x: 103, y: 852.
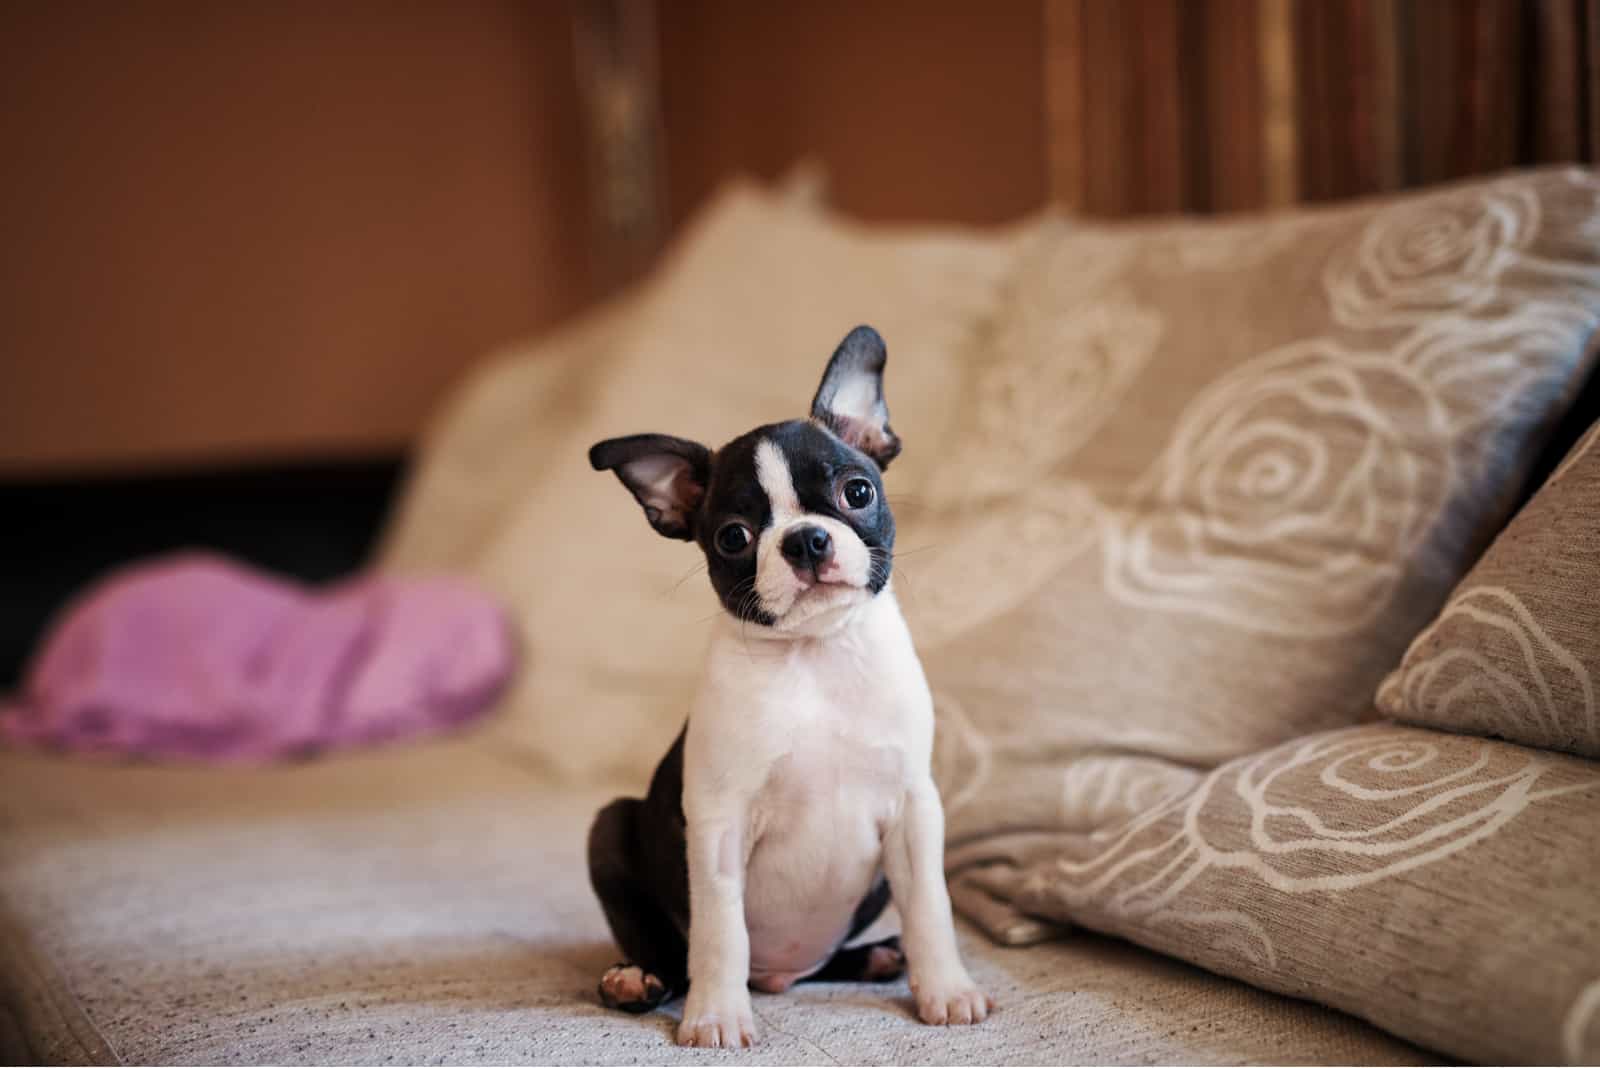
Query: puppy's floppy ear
x: 850, y: 400
x: 666, y: 475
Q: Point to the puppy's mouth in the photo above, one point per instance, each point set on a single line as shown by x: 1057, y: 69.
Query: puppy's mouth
x: 810, y: 579
x: 820, y: 601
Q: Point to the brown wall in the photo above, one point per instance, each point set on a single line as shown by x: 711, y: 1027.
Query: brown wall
x: 919, y: 110
x: 272, y: 229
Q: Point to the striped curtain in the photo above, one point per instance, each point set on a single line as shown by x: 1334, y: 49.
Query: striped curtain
x: 1219, y: 105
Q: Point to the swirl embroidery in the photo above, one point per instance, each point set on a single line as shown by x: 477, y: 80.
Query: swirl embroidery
x: 1419, y: 804
x: 1466, y: 689
x: 1442, y: 255
x: 1581, y: 1019
x: 1295, y: 490
x: 1058, y: 379
x: 1289, y: 496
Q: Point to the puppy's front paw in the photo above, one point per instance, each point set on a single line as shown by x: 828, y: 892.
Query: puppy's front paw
x: 718, y: 1019
x: 956, y: 1001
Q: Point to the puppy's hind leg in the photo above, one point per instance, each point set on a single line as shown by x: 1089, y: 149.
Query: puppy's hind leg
x: 877, y: 962
x: 657, y: 953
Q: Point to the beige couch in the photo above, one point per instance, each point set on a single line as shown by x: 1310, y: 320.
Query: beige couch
x: 430, y: 904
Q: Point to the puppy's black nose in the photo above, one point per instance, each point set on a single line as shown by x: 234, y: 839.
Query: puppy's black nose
x: 807, y: 547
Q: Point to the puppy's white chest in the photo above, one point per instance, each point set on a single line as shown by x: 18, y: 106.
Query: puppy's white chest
x: 809, y: 748
x: 818, y: 825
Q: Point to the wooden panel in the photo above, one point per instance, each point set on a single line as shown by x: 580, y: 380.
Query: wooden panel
x: 1432, y: 88
x: 1064, y: 74
x: 931, y: 110
x: 1559, y: 99
x: 1589, y: 13
x: 266, y: 229
x: 1227, y: 47
x: 1348, y: 99
x: 619, y: 82
x: 1163, y: 148
x: 1155, y: 105
x: 1280, y: 128
x: 1496, y: 86
x: 1471, y: 86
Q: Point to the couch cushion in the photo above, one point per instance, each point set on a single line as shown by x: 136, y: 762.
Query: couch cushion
x: 1516, y: 652
x: 1215, y: 476
x: 430, y: 904
x: 1439, y: 885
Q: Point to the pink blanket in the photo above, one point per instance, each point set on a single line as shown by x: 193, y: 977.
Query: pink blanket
x: 195, y: 657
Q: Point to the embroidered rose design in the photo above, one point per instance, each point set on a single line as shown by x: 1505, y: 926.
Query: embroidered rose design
x: 1500, y: 672
x: 1056, y: 379
x: 1445, y: 254
x: 1334, y: 812
x: 1289, y: 495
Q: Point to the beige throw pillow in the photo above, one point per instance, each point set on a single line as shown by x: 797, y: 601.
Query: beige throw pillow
x: 1516, y: 652
x: 1440, y: 886
x: 1215, y: 476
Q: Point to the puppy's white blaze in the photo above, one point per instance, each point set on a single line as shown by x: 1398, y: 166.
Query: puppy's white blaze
x: 776, y: 583
x: 772, y: 471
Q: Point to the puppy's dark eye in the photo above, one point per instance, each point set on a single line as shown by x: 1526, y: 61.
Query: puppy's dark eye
x: 857, y: 494
x: 733, y: 538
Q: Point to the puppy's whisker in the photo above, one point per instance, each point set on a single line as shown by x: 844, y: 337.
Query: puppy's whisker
x: 687, y: 575
x: 910, y: 586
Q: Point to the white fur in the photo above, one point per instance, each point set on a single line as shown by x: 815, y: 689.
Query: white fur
x: 857, y: 398
x: 800, y: 606
x: 806, y: 773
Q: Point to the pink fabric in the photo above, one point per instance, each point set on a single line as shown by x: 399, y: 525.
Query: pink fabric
x: 195, y: 657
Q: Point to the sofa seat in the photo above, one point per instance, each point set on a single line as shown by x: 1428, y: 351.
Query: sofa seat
x: 430, y: 904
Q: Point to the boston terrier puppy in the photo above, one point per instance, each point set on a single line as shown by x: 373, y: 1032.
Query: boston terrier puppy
x: 799, y: 798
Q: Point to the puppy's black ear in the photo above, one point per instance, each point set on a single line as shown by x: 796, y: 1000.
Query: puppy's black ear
x: 850, y: 400
x: 666, y: 475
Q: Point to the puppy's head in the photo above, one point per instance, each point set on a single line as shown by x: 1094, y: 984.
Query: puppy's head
x: 791, y: 516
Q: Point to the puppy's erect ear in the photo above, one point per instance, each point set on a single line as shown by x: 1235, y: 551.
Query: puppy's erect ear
x: 666, y: 475
x: 850, y: 400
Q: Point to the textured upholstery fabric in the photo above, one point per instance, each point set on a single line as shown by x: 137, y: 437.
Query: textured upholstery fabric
x: 1516, y: 651
x: 430, y: 904
x: 1439, y: 885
